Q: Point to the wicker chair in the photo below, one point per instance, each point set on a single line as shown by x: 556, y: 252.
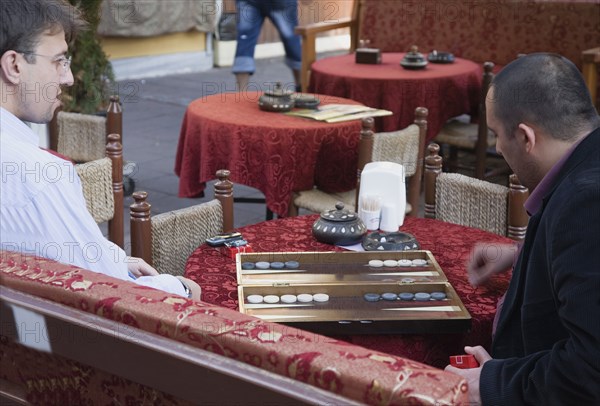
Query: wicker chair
x: 405, y: 147
x: 168, y: 239
x: 467, y: 201
x: 476, y: 138
x: 102, y: 184
x: 82, y: 137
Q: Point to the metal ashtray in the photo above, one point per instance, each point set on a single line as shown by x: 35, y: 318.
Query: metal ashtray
x: 397, y: 241
x: 440, y: 57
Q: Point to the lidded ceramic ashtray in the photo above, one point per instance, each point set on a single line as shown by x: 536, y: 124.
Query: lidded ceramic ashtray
x: 305, y: 101
x: 413, y: 59
x: 339, y: 227
x: 440, y: 57
x: 277, y: 99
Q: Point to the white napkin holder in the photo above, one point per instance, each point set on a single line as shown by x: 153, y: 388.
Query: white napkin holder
x: 385, y: 180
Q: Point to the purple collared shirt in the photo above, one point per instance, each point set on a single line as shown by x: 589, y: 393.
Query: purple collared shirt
x: 534, y: 201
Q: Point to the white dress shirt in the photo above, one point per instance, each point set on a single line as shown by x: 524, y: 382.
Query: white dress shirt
x: 43, y: 210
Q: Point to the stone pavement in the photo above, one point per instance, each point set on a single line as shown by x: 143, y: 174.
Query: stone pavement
x: 153, y: 110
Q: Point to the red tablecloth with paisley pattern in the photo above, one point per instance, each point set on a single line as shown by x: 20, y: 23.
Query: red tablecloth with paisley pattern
x: 272, y: 152
x: 447, y: 90
x: 450, y: 244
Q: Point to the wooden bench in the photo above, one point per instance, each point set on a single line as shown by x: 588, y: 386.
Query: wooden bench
x: 99, y: 340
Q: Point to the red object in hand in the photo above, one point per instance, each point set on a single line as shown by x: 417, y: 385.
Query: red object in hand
x: 463, y: 361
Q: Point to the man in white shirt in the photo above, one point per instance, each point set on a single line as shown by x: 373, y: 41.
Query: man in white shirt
x: 43, y: 210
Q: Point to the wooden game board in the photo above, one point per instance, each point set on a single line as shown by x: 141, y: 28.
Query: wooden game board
x: 346, y: 277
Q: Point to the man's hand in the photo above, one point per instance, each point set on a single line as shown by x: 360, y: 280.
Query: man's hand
x: 138, y: 267
x: 472, y: 375
x: 488, y: 260
x: 193, y: 286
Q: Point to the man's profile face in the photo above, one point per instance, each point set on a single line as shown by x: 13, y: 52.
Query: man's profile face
x: 511, y: 146
x: 42, y: 80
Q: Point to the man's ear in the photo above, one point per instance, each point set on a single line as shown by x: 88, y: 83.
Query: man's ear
x: 9, y: 65
x: 527, y: 136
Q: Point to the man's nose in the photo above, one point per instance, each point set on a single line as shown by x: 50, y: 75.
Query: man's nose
x: 67, y: 79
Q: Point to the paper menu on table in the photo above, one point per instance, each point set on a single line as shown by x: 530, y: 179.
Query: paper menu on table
x: 356, y: 116
x: 338, y: 112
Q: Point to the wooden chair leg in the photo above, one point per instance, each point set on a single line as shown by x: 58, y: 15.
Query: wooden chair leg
x: 452, y: 159
x: 590, y: 61
x: 292, y: 208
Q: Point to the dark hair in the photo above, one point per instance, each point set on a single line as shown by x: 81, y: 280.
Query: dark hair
x: 545, y: 90
x: 24, y: 22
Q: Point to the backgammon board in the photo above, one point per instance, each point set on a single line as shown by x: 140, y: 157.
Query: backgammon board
x: 351, y: 292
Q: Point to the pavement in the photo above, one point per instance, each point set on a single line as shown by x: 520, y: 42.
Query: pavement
x: 153, y: 111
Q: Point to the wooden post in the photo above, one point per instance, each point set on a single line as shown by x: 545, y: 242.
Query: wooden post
x: 141, y: 227
x: 517, y: 215
x: 114, y: 117
x: 433, y: 167
x: 365, y: 152
x: 482, y: 130
x: 590, y: 59
x: 114, y: 151
x: 415, y: 182
x: 224, y: 193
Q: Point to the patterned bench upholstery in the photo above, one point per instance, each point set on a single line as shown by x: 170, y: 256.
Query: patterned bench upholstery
x: 101, y: 363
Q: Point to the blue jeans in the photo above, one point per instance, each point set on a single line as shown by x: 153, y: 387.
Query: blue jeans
x: 251, y: 15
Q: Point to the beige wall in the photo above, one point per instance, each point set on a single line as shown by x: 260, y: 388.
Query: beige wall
x: 124, y: 47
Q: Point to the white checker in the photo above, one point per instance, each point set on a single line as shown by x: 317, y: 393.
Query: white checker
x: 321, y: 297
x: 271, y: 299
x: 255, y: 299
x: 375, y: 263
x: 289, y: 298
x: 405, y: 262
x: 390, y: 263
x: 305, y: 297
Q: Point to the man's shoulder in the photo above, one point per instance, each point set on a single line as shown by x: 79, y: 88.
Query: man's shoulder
x: 583, y: 167
x: 28, y: 170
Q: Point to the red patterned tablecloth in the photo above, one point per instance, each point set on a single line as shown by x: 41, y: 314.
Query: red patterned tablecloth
x: 450, y: 244
x: 447, y: 90
x: 273, y: 152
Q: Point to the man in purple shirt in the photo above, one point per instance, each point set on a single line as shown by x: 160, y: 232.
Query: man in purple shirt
x: 546, y: 347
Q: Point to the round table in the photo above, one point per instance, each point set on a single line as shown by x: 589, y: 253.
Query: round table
x: 273, y: 152
x: 447, y: 90
x: 450, y: 244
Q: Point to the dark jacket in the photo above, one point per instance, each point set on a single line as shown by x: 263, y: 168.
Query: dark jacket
x: 547, y: 345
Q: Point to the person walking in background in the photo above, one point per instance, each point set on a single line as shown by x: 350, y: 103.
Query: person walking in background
x: 250, y: 18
